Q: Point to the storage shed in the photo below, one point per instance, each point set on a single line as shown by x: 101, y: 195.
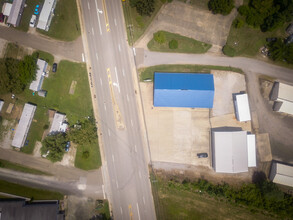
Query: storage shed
x: 24, y: 125
x: 242, y: 109
x: 189, y: 90
x: 1, y: 105
x: 36, y: 85
x: 231, y: 153
x: 6, y: 9
x: 16, y: 12
x: 281, y: 174
x: 46, y: 15
x: 282, y: 94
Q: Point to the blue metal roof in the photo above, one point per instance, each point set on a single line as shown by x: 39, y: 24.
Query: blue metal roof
x: 191, y: 90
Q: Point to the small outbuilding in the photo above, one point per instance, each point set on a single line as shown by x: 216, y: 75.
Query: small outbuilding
x: 23, y: 125
x: 242, y: 109
x: 42, y: 93
x: 59, y: 123
x: 6, y: 9
x: 16, y: 12
x: 36, y: 85
x: 282, y: 95
x: 281, y: 174
x: 188, y: 90
x: 46, y: 15
x: 233, y: 151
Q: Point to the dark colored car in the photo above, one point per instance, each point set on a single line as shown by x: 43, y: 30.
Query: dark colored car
x: 54, y: 68
x: 202, y: 155
x: 1, y: 17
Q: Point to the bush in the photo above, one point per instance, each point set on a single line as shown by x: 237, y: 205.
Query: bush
x: 223, y: 7
x: 46, y: 126
x: 238, y: 23
x: 173, y: 44
x: 160, y: 37
x: 229, y: 51
x: 85, y: 154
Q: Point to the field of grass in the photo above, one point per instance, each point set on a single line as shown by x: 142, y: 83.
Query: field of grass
x: 65, y: 23
x: 45, y: 56
x: 94, y: 159
x: 136, y: 23
x: 12, y: 50
x: 177, y: 203
x: 148, y: 73
x: 185, y: 44
x: 37, y: 194
x: 18, y: 167
x: 27, y: 14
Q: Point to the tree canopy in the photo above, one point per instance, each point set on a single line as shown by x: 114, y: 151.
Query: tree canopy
x: 54, y: 144
x: 143, y: 7
x: 16, y: 74
x: 279, y: 50
x: 85, y: 132
x: 223, y: 7
x: 267, y: 14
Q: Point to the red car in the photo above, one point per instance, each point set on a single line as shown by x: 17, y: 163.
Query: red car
x: 1, y: 17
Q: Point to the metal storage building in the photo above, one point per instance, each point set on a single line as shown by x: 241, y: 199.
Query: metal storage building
x: 242, y: 109
x: 189, y: 90
x: 58, y: 124
x: 36, y: 85
x: 233, y: 151
x: 24, y: 125
x: 282, y: 94
x: 46, y: 15
x: 16, y: 12
x: 281, y: 174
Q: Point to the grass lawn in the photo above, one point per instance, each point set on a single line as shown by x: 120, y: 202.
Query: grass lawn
x: 185, y: 44
x: 13, y: 50
x: 94, y: 160
x: 18, y: 167
x: 65, y: 23
x: 138, y: 24
x: 27, y: 14
x: 37, y: 194
x: 148, y: 73
x: 173, y: 203
x: 45, y: 56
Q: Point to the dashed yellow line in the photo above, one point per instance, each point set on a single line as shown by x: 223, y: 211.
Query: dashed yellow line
x: 130, y: 212
x: 106, y: 16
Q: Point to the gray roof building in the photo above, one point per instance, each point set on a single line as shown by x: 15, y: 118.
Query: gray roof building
x: 46, y: 15
x: 281, y: 174
x: 59, y: 124
x: 16, y: 12
x: 282, y: 94
x: 36, y: 85
x: 24, y: 125
x: 11, y: 209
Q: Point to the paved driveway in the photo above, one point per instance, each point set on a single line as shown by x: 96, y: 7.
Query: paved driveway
x: 65, y: 50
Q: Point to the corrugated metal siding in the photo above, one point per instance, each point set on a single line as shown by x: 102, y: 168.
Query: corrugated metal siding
x: 183, y: 90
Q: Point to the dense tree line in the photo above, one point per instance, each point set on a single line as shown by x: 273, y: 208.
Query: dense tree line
x: 261, y: 195
x: 267, y: 14
x: 223, y: 7
x: 84, y: 132
x: 143, y: 7
x: 280, y: 51
x: 16, y: 74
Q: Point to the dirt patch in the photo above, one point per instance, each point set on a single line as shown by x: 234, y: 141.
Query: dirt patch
x: 7, y: 129
x: 37, y: 149
x: 3, y: 44
x: 72, y: 87
x: 264, y: 147
x: 69, y: 157
x: 77, y: 208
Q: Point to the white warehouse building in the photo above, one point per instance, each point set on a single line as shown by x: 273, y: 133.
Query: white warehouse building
x: 46, y: 15
x: 242, y: 109
x: 23, y: 125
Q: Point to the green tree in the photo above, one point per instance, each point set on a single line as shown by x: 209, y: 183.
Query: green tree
x: 143, y: 7
x: 160, y: 37
x: 223, y: 7
x: 55, y: 145
x: 277, y: 50
x: 238, y: 23
x: 84, y: 133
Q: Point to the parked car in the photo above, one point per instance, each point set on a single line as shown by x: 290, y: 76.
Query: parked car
x: 33, y: 21
x: 202, y: 155
x: 1, y: 17
x: 54, y: 68
x: 67, y: 146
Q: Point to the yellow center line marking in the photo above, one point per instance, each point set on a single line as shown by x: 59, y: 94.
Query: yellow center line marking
x: 130, y: 211
x: 106, y: 16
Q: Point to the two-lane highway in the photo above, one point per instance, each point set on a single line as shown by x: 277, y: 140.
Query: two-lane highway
x: 128, y: 187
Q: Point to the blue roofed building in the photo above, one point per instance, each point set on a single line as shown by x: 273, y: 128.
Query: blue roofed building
x: 189, y: 90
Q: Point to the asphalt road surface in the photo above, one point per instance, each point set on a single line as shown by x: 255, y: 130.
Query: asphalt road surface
x: 128, y: 186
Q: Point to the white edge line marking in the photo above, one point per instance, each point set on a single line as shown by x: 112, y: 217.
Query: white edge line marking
x: 121, y: 211
x: 101, y: 81
x: 131, y: 122
x: 138, y: 211
x: 117, y: 184
x: 105, y: 106
x: 115, y: 21
x: 103, y: 188
x: 123, y: 72
x: 127, y: 97
x: 88, y: 5
x: 139, y: 173
x: 135, y: 149
x: 82, y: 56
x: 119, y: 47
x: 97, y: 57
x: 93, y: 31
x: 117, y: 79
x: 143, y: 199
x: 98, y: 17
x: 113, y: 158
x: 109, y: 132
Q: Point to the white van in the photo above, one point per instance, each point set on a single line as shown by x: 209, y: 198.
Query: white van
x: 33, y: 21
